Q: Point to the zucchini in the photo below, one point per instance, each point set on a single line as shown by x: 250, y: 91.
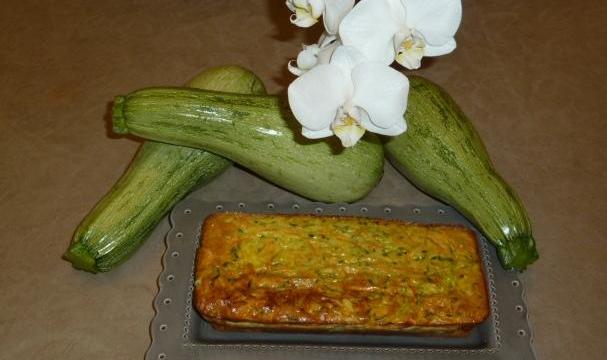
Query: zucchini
x: 159, y: 176
x: 443, y: 155
x: 257, y: 132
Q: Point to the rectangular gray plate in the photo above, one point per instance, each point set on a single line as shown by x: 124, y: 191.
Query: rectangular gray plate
x: 178, y: 332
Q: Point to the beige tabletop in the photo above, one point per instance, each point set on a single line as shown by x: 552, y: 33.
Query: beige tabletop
x: 530, y: 74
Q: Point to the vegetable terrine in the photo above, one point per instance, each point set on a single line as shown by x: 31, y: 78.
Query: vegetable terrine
x: 327, y: 273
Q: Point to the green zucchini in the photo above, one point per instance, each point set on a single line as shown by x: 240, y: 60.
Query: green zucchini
x: 443, y: 155
x: 159, y: 176
x: 257, y: 132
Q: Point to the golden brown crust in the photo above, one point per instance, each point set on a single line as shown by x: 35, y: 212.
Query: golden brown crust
x: 313, y: 273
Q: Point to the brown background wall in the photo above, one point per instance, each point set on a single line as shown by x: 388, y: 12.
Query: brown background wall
x: 531, y: 75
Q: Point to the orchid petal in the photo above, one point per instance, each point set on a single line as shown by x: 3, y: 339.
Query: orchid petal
x: 317, y: 134
x: 347, y: 57
x: 370, y: 27
x: 436, y: 20
x: 325, y: 53
x: 382, y: 93
x: 318, y: 7
x: 398, y: 11
x: 291, y: 5
x: 316, y: 96
x: 326, y: 40
x: 448, y: 47
x: 398, y: 128
x: 335, y: 11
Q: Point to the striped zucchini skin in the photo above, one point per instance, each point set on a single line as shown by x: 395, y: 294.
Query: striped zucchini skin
x: 443, y: 155
x: 159, y: 176
x: 257, y: 132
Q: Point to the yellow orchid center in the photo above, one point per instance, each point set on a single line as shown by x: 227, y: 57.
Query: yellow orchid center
x: 410, y: 52
x: 348, y: 130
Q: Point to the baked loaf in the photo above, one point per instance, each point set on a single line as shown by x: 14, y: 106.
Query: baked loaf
x: 350, y: 274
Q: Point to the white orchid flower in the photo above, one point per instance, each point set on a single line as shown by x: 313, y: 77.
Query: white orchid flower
x: 307, y: 12
x: 312, y: 55
x: 349, y: 96
x: 402, y: 30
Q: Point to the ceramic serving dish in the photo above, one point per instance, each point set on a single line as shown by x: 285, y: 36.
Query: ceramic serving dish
x: 178, y: 332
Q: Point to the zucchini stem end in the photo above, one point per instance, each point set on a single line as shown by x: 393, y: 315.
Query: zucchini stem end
x: 80, y: 257
x: 118, y: 118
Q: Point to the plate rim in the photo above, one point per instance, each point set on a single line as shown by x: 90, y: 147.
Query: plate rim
x: 191, y: 212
